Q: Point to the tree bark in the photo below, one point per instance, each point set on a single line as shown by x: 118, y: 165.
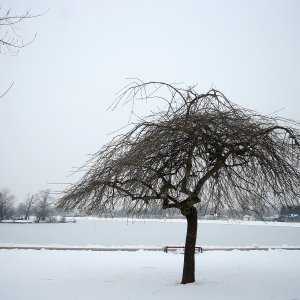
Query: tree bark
x: 188, y: 274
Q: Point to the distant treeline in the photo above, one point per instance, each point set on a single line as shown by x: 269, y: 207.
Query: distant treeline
x: 38, y: 206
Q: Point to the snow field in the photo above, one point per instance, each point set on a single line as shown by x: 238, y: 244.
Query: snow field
x: 72, y: 275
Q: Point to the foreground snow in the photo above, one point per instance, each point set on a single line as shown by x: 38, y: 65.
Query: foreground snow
x: 71, y: 275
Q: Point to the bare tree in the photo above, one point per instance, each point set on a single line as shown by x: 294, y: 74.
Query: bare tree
x: 43, y: 205
x: 28, y: 206
x: 20, y: 211
x: 201, y: 150
x: 6, y: 204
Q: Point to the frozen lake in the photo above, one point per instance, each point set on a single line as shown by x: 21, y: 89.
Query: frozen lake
x: 149, y: 233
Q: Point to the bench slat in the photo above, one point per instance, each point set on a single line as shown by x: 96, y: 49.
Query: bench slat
x: 166, y: 248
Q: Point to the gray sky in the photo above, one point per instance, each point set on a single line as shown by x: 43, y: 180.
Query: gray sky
x: 56, y: 112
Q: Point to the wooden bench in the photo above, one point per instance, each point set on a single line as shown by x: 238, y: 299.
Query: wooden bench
x: 166, y: 248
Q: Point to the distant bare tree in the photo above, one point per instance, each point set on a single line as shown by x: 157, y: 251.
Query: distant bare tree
x: 20, y: 211
x: 43, y: 205
x: 28, y: 206
x: 201, y: 150
x: 6, y: 204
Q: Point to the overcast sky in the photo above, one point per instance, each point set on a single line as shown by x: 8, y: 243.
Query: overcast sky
x: 66, y: 79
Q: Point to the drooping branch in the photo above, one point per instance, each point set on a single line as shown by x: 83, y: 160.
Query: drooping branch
x: 10, y: 39
x: 3, y: 94
x: 198, y: 149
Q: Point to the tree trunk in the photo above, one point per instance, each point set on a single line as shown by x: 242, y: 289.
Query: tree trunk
x: 188, y: 274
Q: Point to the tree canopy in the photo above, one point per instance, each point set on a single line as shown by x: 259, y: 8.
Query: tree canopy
x: 201, y: 148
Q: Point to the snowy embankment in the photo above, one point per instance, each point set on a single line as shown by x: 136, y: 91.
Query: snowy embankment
x: 72, y: 275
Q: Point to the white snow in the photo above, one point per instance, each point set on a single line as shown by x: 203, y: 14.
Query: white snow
x: 74, y: 275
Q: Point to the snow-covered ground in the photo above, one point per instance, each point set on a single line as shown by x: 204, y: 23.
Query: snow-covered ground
x: 74, y: 275
x: 107, y: 233
x: 71, y: 275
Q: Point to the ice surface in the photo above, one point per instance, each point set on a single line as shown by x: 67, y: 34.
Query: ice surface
x: 107, y: 233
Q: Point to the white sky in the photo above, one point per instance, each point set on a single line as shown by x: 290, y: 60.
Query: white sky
x: 64, y: 82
